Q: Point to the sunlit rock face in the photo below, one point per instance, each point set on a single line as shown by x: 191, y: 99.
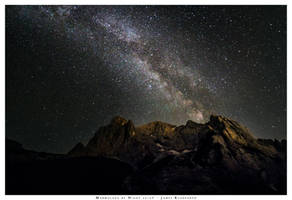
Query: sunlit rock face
x: 192, y: 158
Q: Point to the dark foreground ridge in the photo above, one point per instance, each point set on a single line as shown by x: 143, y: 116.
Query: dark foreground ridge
x: 219, y: 157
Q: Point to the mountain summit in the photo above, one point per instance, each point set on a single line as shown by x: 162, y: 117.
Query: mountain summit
x: 192, y: 158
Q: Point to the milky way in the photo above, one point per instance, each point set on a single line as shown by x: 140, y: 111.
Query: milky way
x: 70, y: 69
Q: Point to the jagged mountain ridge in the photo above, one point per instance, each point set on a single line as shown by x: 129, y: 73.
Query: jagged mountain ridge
x: 201, y: 151
x: 218, y: 157
x: 122, y: 137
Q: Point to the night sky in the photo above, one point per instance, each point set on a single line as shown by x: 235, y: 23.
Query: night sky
x: 70, y: 69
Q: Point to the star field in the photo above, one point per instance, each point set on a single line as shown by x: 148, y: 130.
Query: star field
x: 70, y: 69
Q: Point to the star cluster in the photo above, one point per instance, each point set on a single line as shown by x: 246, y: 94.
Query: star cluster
x: 70, y: 69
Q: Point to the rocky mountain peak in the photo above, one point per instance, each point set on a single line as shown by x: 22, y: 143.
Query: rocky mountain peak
x: 118, y: 120
x: 231, y: 130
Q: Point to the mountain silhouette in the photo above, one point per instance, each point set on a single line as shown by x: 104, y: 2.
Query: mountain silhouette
x: 218, y: 157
